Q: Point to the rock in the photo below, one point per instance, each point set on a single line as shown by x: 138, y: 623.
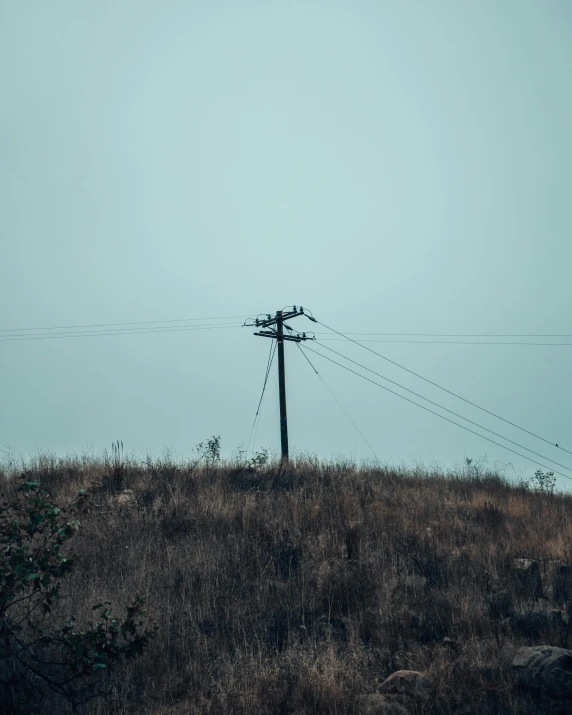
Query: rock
x: 414, y: 582
x: 449, y: 642
x: 527, y: 576
x: 376, y: 704
x: 126, y: 498
x: 545, y: 668
x: 410, y: 683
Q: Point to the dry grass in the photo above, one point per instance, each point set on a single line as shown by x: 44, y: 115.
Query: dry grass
x: 297, y: 591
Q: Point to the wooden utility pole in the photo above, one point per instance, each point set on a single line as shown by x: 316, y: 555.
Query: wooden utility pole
x: 275, y: 330
x: 282, y: 385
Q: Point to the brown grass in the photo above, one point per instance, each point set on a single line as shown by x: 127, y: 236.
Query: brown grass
x: 297, y: 591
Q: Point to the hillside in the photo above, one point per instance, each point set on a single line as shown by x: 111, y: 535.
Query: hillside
x: 300, y: 590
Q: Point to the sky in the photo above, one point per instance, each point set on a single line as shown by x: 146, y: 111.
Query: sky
x: 395, y: 167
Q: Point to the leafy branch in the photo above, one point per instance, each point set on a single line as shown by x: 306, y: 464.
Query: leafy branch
x: 38, y: 657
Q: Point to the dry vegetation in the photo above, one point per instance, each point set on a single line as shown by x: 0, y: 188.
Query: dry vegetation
x: 297, y: 591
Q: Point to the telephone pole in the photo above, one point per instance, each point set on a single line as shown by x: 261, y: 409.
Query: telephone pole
x: 274, y: 328
x: 282, y: 385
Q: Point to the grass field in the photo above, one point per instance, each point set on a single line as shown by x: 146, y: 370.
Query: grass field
x: 297, y: 590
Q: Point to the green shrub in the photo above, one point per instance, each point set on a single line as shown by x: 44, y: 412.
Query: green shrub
x: 39, y: 658
x: 544, y: 482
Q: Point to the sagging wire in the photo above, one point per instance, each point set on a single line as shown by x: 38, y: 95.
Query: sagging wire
x: 357, y: 429
x: 256, y: 420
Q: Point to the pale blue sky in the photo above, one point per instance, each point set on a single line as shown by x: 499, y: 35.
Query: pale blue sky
x: 394, y: 166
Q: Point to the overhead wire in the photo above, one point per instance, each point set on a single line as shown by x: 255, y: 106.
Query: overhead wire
x: 454, y: 342
x: 268, y: 366
x: 467, y: 429
x: 450, y: 392
x: 106, y: 325
x: 446, y: 409
x: 102, y: 333
x: 257, y: 418
x: 467, y: 335
x: 336, y: 399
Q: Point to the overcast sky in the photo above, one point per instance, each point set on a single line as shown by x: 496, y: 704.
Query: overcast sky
x: 398, y: 167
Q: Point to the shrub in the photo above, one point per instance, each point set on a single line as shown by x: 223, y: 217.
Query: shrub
x: 38, y: 657
x: 543, y: 481
x: 209, y: 451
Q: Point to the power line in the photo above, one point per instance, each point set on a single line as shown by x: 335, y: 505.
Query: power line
x: 412, y: 372
x: 453, y: 342
x: 432, y: 402
x: 106, y: 325
x: 467, y: 335
x: 114, y: 331
x: 268, y: 366
x: 136, y: 331
x: 336, y: 399
x: 257, y: 417
x: 438, y: 415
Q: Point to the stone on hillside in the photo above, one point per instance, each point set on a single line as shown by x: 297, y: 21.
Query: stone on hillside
x: 126, y: 498
x: 527, y: 576
x: 376, y: 704
x: 415, y: 583
x: 545, y: 668
x: 410, y: 683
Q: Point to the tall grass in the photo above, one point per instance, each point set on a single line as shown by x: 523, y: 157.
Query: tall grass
x: 297, y: 590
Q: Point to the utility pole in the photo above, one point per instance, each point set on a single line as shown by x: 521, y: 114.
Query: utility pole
x: 274, y: 328
x: 282, y: 385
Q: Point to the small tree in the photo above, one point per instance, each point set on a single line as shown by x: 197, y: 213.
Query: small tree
x: 260, y: 458
x: 209, y: 451
x: 38, y: 657
x: 544, y: 482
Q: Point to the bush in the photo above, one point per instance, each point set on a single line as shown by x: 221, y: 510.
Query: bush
x: 37, y: 657
x: 544, y: 482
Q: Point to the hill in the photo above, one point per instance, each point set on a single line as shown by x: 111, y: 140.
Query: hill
x: 301, y: 590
